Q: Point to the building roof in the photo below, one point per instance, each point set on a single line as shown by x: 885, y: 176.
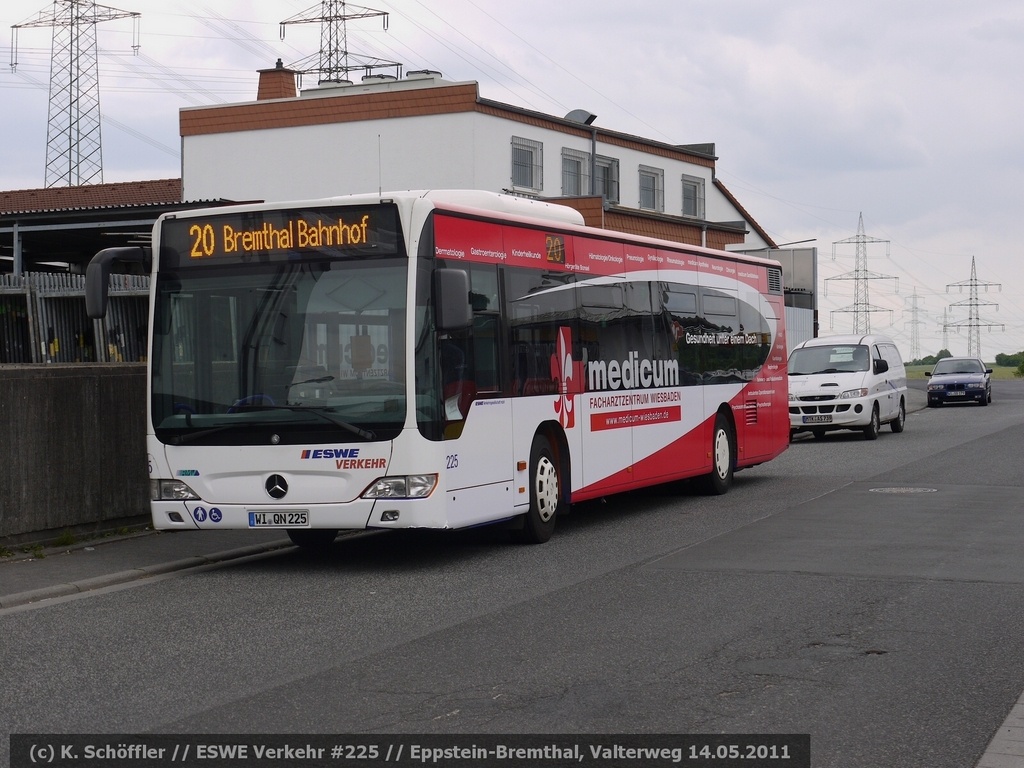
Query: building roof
x: 126, y: 194
x: 41, y: 228
x: 749, y: 219
x: 415, y: 98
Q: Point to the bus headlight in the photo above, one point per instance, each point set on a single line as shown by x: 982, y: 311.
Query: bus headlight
x: 170, y: 490
x: 402, y: 487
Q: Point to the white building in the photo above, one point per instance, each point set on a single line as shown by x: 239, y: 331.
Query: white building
x: 423, y: 132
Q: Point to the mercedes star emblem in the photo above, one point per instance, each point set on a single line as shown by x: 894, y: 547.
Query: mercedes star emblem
x: 276, y: 487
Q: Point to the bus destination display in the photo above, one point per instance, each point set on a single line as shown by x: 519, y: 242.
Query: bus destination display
x: 278, y: 235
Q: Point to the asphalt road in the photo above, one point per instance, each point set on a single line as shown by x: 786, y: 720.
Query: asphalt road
x: 870, y: 594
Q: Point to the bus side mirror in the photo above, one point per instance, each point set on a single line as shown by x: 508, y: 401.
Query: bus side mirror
x: 451, y: 292
x: 97, y: 276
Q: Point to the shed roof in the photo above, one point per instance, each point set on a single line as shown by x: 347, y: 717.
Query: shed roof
x: 125, y: 194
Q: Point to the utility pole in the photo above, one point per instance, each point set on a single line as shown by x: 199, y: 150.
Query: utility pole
x: 74, y: 153
x: 973, y: 323
x: 861, y: 307
x: 334, y: 61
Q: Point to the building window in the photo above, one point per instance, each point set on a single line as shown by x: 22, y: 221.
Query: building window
x: 606, y: 178
x: 527, y: 164
x: 575, y: 172
x: 693, y: 196
x: 652, y: 188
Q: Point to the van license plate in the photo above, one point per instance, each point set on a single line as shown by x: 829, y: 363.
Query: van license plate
x: 821, y: 419
x: 279, y: 519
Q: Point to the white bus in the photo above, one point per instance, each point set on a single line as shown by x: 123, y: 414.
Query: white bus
x: 442, y: 359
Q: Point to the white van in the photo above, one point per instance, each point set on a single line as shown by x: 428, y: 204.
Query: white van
x: 847, y: 382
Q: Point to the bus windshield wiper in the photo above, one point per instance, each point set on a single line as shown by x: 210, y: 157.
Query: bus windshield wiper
x: 317, y: 380
x: 326, y: 415
x: 191, y: 437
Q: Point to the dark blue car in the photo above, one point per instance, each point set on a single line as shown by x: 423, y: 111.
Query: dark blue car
x: 959, y: 380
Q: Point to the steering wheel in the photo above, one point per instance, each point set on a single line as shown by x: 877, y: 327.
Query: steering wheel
x: 249, y: 400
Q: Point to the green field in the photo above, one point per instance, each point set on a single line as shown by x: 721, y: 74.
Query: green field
x: 998, y: 371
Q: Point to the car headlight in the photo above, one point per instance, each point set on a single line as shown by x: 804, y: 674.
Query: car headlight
x: 401, y: 487
x: 170, y: 490
x: 861, y: 392
x: 935, y: 387
x: 975, y: 385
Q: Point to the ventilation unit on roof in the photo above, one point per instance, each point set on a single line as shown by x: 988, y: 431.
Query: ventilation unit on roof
x: 419, y: 74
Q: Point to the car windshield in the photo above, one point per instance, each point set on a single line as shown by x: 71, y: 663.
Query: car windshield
x: 845, y: 358
x: 952, y: 365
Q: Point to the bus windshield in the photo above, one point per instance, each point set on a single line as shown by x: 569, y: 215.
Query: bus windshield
x: 295, y: 345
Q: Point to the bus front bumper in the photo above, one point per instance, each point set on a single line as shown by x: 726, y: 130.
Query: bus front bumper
x: 355, y: 515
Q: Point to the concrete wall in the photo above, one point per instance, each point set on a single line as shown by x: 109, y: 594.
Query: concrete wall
x: 72, y: 448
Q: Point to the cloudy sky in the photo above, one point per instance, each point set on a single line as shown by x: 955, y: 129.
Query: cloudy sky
x: 910, y: 113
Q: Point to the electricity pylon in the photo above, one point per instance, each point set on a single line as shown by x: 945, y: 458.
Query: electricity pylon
x: 861, y: 307
x: 334, y: 61
x: 973, y: 323
x: 945, y: 328
x: 74, y: 153
x: 915, y: 322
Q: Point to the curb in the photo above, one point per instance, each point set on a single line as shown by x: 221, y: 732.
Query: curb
x: 135, y: 574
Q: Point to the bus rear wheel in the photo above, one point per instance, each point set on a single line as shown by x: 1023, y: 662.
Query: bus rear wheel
x: 312, y: 539
x: 545, y: 495
x: 723, y: 458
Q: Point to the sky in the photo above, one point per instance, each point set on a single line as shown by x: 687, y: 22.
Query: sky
x: 907, y: 114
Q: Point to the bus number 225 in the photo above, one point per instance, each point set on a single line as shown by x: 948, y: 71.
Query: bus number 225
x: 451, y: 461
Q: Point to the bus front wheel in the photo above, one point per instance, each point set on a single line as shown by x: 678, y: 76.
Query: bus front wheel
x: 545, y: 493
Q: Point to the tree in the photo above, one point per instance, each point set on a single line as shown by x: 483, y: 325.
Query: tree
x: 932, y: 359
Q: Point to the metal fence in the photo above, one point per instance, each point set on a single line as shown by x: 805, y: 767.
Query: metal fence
x: 43, y: 320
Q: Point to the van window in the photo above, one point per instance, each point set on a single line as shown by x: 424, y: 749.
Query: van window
x: 890, y: 354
